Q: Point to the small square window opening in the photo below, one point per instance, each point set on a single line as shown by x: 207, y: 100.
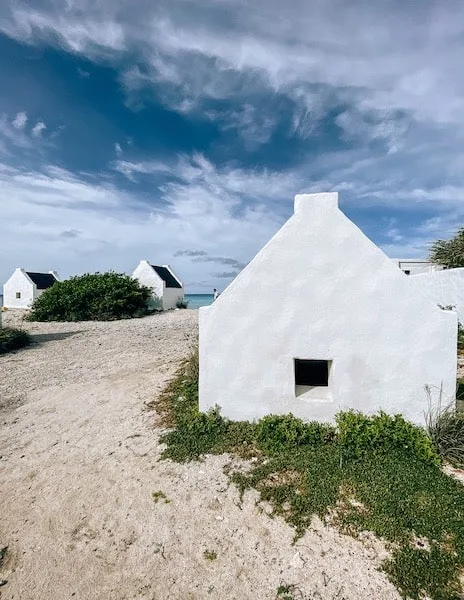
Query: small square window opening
x: 18, y: 294
x: 312, y: 372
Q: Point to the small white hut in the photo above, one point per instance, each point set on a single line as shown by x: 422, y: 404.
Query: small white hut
x: 167, y: 288
x: 23, y: 287
x: 321, y: 320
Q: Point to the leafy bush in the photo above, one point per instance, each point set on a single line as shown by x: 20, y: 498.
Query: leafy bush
x: 277, y: 433
x: 449, y: 253
x: 445, y: 427
x: 460, y: 337
x: 13, y: 339
x: 92, y: 297
x: 182, y: 303
x: 381, y: 434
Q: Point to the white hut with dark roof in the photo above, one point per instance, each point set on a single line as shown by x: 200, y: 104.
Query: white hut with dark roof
x: 23, y: 287
x: 167, y: 288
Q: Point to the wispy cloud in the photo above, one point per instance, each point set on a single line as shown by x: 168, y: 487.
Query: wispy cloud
x: 190, y: 253
x: 20, y: 120
x: 38, y: 129
x: 118, y: 149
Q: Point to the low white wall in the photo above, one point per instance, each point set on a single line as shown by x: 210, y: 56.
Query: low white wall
x: 443, y: 287
x: 19, y: 282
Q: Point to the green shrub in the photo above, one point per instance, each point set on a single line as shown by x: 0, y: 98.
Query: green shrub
x: 277, y: 433
x: 13, y: 339
x: 445, y: 427
x: 460, y: 337
x: 381, y: 434
x: 182, y: 303
x: 92, y: 297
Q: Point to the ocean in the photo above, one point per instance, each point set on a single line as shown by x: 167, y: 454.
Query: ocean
x: 198, y: 300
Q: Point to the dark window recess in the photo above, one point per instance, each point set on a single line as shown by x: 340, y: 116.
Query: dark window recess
x: 314, y: 373
x: 408, y: 272
x: 18, y: 294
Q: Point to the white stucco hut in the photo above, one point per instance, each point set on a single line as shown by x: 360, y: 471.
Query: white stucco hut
x: 167, y: 288
x: 322, y: 320
x: 23, y: 287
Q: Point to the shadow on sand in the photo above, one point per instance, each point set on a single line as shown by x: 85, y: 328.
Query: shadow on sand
x: 40, y: 338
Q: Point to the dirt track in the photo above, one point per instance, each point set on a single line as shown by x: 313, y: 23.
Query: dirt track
x: 79, y: 461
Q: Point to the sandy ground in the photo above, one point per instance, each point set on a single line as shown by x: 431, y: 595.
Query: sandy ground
x: 79, y: 461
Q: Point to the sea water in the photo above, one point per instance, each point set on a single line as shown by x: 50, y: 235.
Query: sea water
x: 198, y: 300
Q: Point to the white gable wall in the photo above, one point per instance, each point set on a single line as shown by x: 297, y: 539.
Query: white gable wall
x: 445, y: 288
x: 321, y: 290
x: 19, y: 282
x: 146, y: 275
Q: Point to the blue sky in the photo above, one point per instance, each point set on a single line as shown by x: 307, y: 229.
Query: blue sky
x: 179, y: 131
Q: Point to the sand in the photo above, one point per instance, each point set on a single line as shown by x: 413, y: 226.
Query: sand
x: 79, y: 461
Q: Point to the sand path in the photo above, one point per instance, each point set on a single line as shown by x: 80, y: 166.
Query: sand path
x: 79, y: 460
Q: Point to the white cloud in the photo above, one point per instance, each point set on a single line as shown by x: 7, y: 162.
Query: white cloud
x: 118, y: 149
x: 317, y: 53
x: 38, y: 129
x: 20, y: 120
x: 114, y: 229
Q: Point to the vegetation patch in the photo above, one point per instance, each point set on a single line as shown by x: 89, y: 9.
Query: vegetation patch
x: 92, y: 297
x: 377, y: 473
x: 210, y: 555
x: 159, y: 495
x: 13, y: 339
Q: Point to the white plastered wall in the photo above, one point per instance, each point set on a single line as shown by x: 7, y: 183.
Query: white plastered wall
x: 19, y: 282
x: 445, y: 288
x: 145, y: 274
x: 321, y: 290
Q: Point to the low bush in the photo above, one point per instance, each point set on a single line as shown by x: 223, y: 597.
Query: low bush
x: 13, y: 339
x: 360, y: 434
x: 183, y: 303
x: 460, y: 338
x: 92, y: 297
x: 277, y: 433
x: 445, y: 427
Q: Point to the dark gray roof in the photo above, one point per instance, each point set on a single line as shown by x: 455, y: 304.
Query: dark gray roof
x: 167, y: 277
x: 42, y: 280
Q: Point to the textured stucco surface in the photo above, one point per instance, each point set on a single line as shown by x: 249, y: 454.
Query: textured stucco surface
x: 443, y: 287
x: 320, y: 289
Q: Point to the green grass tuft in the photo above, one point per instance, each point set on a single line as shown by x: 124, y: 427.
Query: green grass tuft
x: 13, y: 339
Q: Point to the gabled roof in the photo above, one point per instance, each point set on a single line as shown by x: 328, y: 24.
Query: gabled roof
x: 42, y: 280
x: 166, y: 276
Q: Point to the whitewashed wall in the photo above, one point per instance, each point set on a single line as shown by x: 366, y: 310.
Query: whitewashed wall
x: 147, y: 276
x: 443, y: 287
x: 416, y: 266
x: 171, y: 297
x: 321, y: 290
x: 19, y: 282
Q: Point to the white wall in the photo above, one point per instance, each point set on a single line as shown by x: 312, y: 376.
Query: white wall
x: 416, y: 266
x: 321, y: 290
x: 172, y: 295
x: 147, y: 276
x: 19, y: 282
x: 443, y: 287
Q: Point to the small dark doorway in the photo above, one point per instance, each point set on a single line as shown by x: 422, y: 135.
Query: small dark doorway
x: 311, y: 373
